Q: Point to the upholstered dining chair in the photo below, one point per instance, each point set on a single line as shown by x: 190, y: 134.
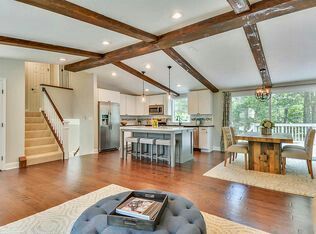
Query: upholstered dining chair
x: 235, y: 141
x: 300, y: 152
x: 231, y: 148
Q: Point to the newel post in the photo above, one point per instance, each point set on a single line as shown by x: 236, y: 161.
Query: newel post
x: 66, y: 139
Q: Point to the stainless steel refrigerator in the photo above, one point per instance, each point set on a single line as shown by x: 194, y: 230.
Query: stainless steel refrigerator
x: 109, y: 126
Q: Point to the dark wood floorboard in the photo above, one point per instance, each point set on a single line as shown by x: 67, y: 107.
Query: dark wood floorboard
x: 28, y: 191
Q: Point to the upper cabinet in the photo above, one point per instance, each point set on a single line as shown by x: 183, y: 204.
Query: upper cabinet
x: 108, y: 96
x: 156, y: 100
x: 127, y: 104
x: 200, y: 102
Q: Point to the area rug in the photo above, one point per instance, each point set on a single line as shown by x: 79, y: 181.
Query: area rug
x: 296, y: 181
x: 60, y: 219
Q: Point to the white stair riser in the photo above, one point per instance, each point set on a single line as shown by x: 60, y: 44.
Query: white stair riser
x: 39, y: 141
x: 30, y: 127
x: 44, y: 158
x: 40, y: 149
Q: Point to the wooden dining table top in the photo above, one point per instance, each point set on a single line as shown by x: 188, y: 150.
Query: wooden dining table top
x: 258, y: 137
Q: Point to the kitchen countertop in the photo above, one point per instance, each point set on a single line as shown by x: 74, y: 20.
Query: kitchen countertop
x: 151, y: 129
x: 185, y: 126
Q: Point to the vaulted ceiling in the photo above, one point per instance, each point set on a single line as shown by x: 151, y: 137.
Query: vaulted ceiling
x: 225, y: 60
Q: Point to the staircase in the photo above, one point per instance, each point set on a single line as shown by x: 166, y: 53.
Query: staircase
x: 40, y: 143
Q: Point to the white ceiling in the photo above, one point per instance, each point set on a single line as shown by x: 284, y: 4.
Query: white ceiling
x: 289, y: 44
x: 225, y: 59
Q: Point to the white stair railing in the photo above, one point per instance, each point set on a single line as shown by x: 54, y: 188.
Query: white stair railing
x: 58, y: 125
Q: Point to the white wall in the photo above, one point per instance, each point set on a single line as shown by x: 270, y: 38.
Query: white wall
x: 63, y: 99
x: 13, y: 71
x: 218, y: 102
x: 84, y: 85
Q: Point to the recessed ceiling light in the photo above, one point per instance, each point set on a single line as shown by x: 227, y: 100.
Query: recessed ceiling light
x: 114, y: 74
x: 179, y: 85
x: 148, y: 66
x: 62, y: 59
x: 106, y: 43
x: 176, y: 15
x: 146, y: 90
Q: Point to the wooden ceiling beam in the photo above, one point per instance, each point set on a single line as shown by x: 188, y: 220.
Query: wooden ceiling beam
x: 140, y: 75
x: 239, y: 6
x: 255, y: 44
x: 47, y: 47
x: 172, y: 53
x: 83, y: 14
x: 259, y: 11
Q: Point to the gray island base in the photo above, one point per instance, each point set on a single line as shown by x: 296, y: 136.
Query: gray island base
x: 181, y: 140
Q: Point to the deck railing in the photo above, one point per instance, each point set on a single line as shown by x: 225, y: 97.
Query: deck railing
x: 298, y: 131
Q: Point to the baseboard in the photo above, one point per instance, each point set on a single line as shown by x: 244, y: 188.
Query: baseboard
x: 216, y: 148
x: 9, y: 166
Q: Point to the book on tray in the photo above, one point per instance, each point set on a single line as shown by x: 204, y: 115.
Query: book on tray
x: 139, y: 208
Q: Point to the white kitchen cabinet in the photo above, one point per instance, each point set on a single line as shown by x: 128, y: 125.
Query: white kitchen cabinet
x: 193, y: 107
x: 156, y: 100
x: 200, y: 102
x: 205, y: 139
x: 205, y: 102
x: 127, y: 104
x: 142, y: 108
x: 108, y: 96
x: 123, y: 104
x: 130, y: 105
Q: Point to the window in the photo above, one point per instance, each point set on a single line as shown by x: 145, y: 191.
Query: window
x: 247, y: 112
x: 292, y: 109
x: 180, y: 109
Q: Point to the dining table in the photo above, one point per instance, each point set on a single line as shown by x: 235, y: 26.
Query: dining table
x: 265, y: 150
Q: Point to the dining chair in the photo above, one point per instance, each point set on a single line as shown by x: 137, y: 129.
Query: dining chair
x: 235, y: 141
x: 300, y: 152
x: 231, y: 148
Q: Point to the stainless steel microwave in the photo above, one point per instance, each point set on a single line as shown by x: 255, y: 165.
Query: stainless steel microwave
x: 156, y: 110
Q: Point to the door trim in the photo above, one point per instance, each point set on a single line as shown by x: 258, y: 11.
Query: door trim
x: 3, y: 111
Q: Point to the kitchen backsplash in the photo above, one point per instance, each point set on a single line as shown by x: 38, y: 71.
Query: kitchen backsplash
x: 203, y: 119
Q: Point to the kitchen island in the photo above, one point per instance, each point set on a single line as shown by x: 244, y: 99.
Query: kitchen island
x: 181, y: 140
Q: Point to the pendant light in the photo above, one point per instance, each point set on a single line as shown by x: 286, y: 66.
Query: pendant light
x: 143, y: 97
x: 263, y: 93
x: 169, y: 94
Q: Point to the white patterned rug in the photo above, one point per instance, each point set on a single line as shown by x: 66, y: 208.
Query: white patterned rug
x: 59, y: 219
x: 296, y: 181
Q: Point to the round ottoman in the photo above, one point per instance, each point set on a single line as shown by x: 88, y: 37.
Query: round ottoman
x: 180, y: 217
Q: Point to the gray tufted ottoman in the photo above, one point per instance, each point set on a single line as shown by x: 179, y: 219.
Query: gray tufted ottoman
x: 180, y: 217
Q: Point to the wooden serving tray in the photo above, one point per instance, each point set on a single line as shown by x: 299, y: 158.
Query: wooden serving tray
x: 119, y: 220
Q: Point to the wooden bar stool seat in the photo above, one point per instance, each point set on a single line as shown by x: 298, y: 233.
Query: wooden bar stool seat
x: 163, y: 157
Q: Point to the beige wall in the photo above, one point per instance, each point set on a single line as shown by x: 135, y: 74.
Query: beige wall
x: 63, y: 99
x: 13, y: 71
x: 84, y: 108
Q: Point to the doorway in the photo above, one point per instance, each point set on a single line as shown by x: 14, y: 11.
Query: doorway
x: 2, y: 122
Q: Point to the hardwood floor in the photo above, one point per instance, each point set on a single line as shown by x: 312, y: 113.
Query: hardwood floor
x: 28, y: 191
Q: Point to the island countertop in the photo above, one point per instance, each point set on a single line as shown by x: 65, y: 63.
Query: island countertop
x: 164, y: 129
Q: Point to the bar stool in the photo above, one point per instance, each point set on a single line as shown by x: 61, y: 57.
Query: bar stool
x: 147, y: 142
x: 164, y: 157
x: 132, y: 140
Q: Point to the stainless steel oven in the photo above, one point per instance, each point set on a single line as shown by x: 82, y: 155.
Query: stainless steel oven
x: 156, y: 110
